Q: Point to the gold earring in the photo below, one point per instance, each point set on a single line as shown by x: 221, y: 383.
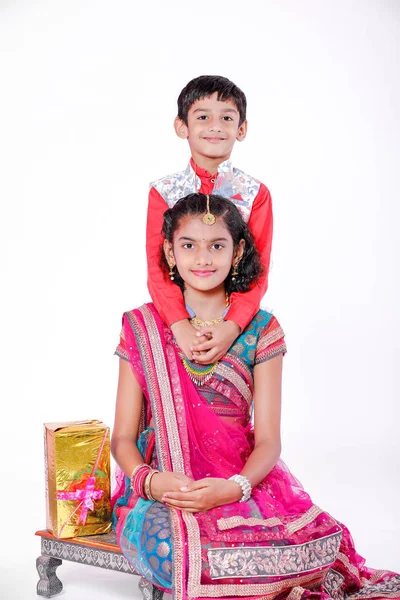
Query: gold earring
x: 171, y: 272
x: 235, y: 271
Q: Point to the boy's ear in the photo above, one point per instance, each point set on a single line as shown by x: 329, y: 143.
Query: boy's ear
x: 181, y: 129
x: 242, y: 132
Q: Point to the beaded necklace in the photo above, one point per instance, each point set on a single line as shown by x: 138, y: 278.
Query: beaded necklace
x: 199, y: 374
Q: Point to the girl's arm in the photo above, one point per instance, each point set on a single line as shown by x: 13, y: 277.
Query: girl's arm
x: 166, y: 296
x: 128, y: 411
x: 245, y: 305
x: 211, y: 492
x: 124, y: 448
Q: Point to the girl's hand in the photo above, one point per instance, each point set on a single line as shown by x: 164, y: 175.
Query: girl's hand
x: 204, y: 494
x: 168, y: 482
x: 221, y: 337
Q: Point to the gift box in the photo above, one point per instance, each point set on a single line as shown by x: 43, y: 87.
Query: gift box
x: 77, y: 463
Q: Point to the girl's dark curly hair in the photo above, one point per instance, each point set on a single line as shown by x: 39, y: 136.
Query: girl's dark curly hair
x: 250, y: 267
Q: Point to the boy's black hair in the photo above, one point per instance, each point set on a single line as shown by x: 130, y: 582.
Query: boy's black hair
x: 250, y: 267
x: 206, y: 85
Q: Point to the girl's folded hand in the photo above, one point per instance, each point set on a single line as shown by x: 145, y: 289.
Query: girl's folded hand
x: 204, y: 494
x: 168, y: 482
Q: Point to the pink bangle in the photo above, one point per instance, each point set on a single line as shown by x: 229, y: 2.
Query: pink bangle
x: 138, y: 477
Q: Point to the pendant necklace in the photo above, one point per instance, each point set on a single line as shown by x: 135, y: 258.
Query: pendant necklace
x: 200, y: 374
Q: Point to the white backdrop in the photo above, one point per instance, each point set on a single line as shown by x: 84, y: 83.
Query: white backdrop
x: 88, y: 97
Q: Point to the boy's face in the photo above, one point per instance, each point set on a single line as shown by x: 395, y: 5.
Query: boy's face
x: 212, y: 129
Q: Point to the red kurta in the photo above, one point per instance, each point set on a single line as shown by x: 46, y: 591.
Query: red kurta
x: 167, y: 296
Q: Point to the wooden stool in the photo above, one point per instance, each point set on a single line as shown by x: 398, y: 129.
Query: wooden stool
x: 95, y: 550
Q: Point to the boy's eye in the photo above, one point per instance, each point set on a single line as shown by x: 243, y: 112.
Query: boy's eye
x: 202, y: 117
x: 227, y: 118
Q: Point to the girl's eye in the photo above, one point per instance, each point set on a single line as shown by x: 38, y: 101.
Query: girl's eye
x: 217, y: 246
x: 188, y: 245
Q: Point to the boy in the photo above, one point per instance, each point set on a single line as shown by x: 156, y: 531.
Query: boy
x: 211, y: 116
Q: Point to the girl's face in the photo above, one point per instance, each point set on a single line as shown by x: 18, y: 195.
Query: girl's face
x: 203, y: 254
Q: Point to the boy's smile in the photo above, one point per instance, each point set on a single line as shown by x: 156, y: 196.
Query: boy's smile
x: 212, y: 129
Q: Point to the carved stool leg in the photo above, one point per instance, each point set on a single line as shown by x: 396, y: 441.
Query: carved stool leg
x: 49, y: 585
x: 157, y: 593
x: 149, y: 591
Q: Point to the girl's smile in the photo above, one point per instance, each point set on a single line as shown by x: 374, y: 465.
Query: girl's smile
x: 203, y: 273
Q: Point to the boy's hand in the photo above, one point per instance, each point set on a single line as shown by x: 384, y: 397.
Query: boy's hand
x: 220, y: 338
x: 185, y: 336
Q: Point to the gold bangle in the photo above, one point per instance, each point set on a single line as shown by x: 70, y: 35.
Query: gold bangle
x: 147, y: 483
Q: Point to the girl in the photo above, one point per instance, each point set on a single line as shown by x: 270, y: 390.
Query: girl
x: 208, y: 508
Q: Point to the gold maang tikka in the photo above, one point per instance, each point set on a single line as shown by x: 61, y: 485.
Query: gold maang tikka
x: 209, y: 218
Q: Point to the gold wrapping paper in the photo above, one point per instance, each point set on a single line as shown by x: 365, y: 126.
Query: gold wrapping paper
x: 77, y: 465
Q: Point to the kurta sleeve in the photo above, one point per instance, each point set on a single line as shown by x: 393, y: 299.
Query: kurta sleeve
x: 271, y: 342
x: 167, y: 297
x: 245, y: 305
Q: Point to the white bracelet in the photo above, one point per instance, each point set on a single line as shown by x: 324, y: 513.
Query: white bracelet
x: 244, y: 484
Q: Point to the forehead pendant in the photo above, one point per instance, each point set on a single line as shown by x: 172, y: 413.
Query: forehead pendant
x: 209, y: 218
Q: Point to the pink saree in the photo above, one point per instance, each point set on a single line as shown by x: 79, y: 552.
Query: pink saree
x: 278, y: 544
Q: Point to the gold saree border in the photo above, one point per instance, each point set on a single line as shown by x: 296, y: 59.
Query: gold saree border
x: 165, y: 388
x: 236, y: 380
x: 172, y: 440
x: 270, y: 338
x: 142, y: 344
x: 270, y: 352
x: 296, y: 593
x: 231, y: 522
x: 309, y: 516
x: 377, y: 575
x: 257, y: 589
x: 353, y: 569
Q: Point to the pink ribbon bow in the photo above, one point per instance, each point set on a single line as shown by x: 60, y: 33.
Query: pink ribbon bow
x: 87, y: 495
